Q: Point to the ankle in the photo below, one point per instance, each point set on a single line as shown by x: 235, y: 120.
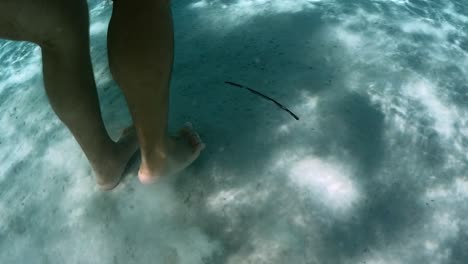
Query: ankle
x: 153, y: 161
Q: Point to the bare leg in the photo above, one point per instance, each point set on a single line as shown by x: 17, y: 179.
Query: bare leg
x: 61, y: 29
x: 140, y: 44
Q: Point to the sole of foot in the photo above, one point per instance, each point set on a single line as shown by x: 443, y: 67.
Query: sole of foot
x: 183, y: 149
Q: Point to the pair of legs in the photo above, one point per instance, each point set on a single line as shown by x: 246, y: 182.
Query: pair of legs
x: 140, y: 47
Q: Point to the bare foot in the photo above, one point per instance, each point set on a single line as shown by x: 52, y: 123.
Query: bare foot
x: 182, y: 150
x: 111, y: 172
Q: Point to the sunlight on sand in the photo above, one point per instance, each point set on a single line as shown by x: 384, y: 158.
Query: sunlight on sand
x: 326, y: 181
x: 444, y: 117
x: 241, y: 11
x: 31, y: 66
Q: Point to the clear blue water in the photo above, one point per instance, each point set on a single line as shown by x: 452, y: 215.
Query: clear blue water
x: 375, y: 171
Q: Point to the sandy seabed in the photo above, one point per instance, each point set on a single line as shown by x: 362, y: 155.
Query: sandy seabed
x: 375, y: 171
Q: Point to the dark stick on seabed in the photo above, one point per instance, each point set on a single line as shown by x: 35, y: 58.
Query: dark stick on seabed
x: 264, y: 96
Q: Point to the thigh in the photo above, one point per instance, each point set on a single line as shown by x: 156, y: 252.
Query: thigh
x: 42, y: 21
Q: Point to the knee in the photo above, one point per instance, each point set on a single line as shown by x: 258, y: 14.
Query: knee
x: 67, y: 28
x: 46, y: 23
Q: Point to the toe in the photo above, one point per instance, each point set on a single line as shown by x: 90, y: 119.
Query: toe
x: 193, y: 138
x: 195, y: 141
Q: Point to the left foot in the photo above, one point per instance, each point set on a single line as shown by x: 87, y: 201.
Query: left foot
x: 111, y: 172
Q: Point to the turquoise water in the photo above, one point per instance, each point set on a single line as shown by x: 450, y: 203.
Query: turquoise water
x: 375, y: 170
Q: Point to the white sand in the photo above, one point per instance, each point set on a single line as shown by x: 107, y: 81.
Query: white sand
x: 375, y: 171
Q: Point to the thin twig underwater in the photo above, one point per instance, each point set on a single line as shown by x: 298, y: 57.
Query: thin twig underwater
x: 264, y: 96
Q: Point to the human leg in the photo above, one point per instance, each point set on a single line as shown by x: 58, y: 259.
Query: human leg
x: 140, y: 45
x: 60, y: 28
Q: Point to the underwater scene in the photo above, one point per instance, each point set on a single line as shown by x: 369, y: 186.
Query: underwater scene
x: 328, y: 132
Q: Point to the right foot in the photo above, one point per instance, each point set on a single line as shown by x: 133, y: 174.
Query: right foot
x: 182, y: 150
